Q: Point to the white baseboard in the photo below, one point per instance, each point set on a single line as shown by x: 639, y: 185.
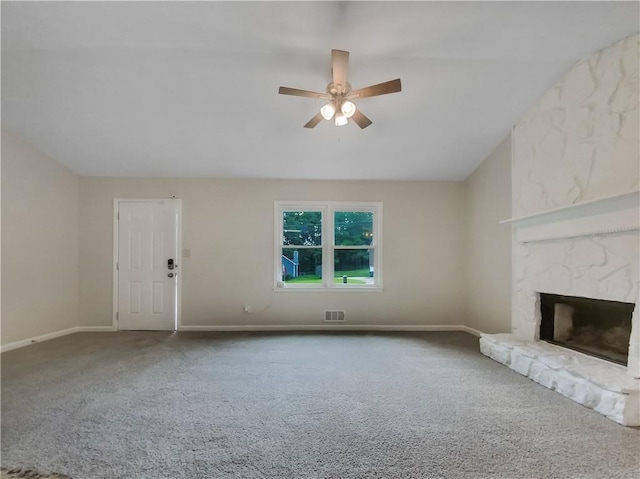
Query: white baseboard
x: 475, y: 332
x: 331, y: 327
x: 96, y: 329
x: 37, y: 339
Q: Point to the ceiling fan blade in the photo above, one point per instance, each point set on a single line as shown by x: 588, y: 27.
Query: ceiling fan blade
x: 361, y: 120
x: 314, y: 121
x: 392, y: 86
x: 306, y: 93
x: 339, y: 67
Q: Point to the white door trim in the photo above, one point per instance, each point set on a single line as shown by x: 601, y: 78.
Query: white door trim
x: 116, y: 205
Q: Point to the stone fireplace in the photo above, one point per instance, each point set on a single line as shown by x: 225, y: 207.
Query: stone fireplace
x: 561, y: 258
x: 575, y: 230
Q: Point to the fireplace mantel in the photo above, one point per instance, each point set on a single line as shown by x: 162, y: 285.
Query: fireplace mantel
x: 613, y: 214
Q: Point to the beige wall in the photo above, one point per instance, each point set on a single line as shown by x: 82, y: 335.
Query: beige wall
x: 39, y: 243
x: 445, y: 259
x: 228, y: 226
x: 488, y: 200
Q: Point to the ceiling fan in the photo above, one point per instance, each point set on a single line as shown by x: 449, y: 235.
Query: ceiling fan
x: 339, y: 94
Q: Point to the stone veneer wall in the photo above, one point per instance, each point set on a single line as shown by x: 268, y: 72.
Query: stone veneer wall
x: 579, y: 143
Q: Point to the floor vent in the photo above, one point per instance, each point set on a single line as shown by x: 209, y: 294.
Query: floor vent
x: 334, y: 316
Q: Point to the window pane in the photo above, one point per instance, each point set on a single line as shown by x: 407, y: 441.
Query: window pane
x: 302, y: 228
x: 353, y: 228
x: 302, y: 265
x: 354, y: 264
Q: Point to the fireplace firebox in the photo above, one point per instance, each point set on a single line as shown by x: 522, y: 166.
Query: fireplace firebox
x: 592, y: 326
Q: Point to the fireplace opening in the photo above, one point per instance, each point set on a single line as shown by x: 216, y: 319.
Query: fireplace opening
x: 592, y: 326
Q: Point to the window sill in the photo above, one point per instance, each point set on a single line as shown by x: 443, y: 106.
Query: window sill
x: 356, y: 289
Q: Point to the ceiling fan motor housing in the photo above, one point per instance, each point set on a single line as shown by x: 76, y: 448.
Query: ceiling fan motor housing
x: 338, y: 90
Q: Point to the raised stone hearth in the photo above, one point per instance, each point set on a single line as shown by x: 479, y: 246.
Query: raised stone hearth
x: 592, y: 382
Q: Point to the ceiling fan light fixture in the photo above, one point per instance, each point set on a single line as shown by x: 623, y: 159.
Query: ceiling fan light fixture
x: 341, y: 120
x: 347, y: 108
x: 328, y: 111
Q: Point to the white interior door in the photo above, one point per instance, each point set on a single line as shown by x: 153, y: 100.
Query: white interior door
x: 147, y: 265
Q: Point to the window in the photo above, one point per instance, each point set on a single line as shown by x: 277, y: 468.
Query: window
x: 328, y: 245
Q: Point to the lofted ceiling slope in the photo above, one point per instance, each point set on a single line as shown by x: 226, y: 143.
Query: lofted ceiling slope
x: 189, y: 89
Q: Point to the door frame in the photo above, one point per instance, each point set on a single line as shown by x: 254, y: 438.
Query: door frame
x: 116, y: 207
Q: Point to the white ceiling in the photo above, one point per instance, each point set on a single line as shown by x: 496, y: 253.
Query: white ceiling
x: 189, y: 89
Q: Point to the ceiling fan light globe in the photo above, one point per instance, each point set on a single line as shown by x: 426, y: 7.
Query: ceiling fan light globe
x: 328, y: 111
x: 341, y: 120
x: 348, y: 109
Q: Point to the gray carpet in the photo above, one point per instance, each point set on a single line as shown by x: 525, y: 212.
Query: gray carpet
x: 204, y: 405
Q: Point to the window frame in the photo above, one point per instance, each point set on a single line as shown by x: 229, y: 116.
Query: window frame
x: 328, y: 247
